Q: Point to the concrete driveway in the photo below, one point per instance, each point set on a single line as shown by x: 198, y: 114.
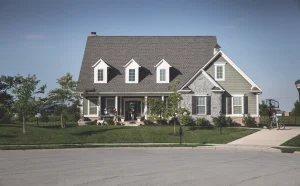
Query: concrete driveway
x: 268, y: 137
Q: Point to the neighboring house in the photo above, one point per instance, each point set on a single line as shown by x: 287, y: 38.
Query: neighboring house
x: 121, y: 71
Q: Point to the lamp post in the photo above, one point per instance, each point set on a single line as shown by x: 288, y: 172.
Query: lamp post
x: 297, y: 83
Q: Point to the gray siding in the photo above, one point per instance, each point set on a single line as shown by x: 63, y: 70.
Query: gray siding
x: 234, y: 83
x: 85, y: 106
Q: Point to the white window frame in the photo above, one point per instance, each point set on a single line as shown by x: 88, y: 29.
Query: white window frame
x: 163, y: 65
x: 134, y: 70
x: 88, y: 108
x: 100, y: 69
x: 165, y: 74
x: 100, y: 65
x: 242, y: 102
x: 223, y: 72
x: 205, y: 105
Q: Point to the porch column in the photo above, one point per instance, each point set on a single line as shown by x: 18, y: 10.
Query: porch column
x: 81, y: 107
x: 146, y: 108
x: 162, y: 98
x: 116, y: 104
x: 99, y: 107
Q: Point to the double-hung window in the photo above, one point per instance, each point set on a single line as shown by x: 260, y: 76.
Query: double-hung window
x: 100, y: 74
x: 237, y: 105
x: 131, y: 74
x: 162, y: 76
x: 220, y: 72
x: 201, y: 105
x: 93, y: 106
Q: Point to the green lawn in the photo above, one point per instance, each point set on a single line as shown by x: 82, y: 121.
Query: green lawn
x: 294, y: 142
x: 11, y: 134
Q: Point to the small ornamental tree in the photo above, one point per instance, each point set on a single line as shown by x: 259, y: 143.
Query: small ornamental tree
x: 156, y: 107
x: 6, y: 99
x: 296, y: 109
x: 174, y: 100
x: 26, y: 101
x: 66, y: 97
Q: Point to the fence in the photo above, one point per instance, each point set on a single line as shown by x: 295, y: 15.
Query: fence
x: 43, y: 121
x: 287, y: 120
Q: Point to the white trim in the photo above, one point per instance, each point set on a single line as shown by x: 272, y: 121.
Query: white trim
x: 94, y: 116
x: 205, y: 104
x: 116, y: 103
x: 231, y: 63
x: 257, y: 105
x: 99, y: 61
x: 242, y: 99
x: 223, y: 72
x: 99, y: 106
x: 184, y: 90
x: 132, y: 60
x: 161, y: 61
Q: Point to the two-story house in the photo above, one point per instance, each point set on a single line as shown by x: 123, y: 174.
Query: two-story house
x: 122, y: 71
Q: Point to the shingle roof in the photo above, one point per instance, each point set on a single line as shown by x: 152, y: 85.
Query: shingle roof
x: 186, y: 55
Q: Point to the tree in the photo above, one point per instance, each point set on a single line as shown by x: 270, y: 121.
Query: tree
x: 156, y: 107
x: 6, y: 99
x: 66, y: 97
x: 174, y: 100
x: 263, y: 109
x: 296, y: 109
x: 25, y: 92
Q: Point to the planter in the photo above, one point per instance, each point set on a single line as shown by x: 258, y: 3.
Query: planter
x: 138, y: 119
x: 122, y: 119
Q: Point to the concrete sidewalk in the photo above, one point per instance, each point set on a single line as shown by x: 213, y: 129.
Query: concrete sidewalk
x: 266, y: 137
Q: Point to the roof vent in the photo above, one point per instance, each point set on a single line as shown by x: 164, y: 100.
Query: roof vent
x: 93, y: 34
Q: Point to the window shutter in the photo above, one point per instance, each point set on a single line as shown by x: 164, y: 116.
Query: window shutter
x: 245, y: 104
x: 229, y: 109
x: 208, y: 105
x: 85, y: 106
x: 194, y: 105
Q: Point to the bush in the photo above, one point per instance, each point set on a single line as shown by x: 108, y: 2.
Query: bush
x: 162, y: 122
x: 186, y: 120
x: 202, y: 122
x: 171, y: 121
x: 220, y: 121
x: 148, y: 122
x: 109, y: 121
x: 229, y: 121
x: 249, y: 121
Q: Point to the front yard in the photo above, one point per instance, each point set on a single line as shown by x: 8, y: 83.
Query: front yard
x: 11, y: 134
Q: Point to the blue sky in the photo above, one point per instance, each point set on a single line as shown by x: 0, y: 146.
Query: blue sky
x: 47, y: 38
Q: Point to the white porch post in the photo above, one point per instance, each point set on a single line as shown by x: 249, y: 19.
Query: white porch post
x: 116, y: 103
x: 99, y: 106
x: 146, y: 108
x: 163, y: 98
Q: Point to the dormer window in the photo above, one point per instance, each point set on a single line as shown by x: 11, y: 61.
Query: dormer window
x: 132, y: 72
x: 100, y: 72
x: 162, y: 72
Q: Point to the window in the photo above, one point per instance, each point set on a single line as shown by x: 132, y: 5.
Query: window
x: 220, y: 72
x: 162, y: 75
x: 110, y: 104
x: 131, y: 74
x: 237, y: 105
x: 100, y: 74
x: 93, y: 106
x: 201, y: 105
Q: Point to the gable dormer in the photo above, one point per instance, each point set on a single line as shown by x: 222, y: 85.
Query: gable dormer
x: 163, y: 72
x: 100, y: 71
x: 132, y: 72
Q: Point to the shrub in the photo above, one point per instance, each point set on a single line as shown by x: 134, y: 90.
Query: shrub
x: 171, y: 121
x: 220, y: 121
x: 109, y: 121
x: 148, y: 122
x: 249, y: 121
x: 186, y: 120
x: 229, y: 121
x: 162, y: 122
x: 202, y: 122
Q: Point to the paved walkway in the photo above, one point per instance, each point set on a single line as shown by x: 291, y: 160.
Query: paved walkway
x: 267, y: 137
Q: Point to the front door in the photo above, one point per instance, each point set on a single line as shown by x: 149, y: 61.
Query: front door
x: 134, y: 107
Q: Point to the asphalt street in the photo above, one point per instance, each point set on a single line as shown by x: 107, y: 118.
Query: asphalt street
x: 148, y: 166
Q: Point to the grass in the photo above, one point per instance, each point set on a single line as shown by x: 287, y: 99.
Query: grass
x: 11, y: 134
x: 294, y: 142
